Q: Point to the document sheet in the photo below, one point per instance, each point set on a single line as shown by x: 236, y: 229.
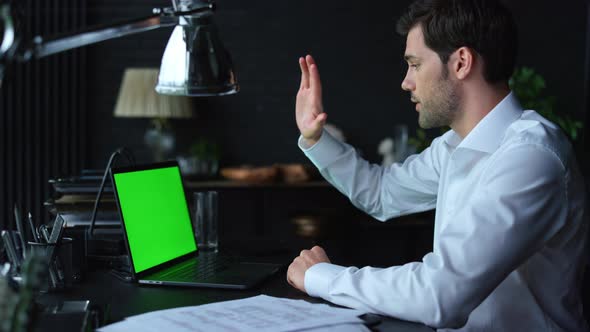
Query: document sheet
x: 259, y: 313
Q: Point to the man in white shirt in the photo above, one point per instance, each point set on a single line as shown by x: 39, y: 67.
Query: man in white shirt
x: 510, y: 231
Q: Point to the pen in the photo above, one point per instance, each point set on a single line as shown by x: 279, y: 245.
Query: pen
x: 57, y: 229
x: 44, y: 234
x: 21, y: 229
x: 39, y: 235
x: 56, y: 233
x: 32, y: 225
x: 18, y: 249
x: 10, y: 250
x: 49, y: 253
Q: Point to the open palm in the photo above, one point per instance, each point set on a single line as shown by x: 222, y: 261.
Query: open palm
x: 309, y: 112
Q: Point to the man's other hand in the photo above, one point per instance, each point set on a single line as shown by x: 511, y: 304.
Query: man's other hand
x: 305, y: 260
x: 309, y: 112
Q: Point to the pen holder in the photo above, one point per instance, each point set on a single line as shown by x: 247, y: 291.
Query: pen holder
x: 59, y: 257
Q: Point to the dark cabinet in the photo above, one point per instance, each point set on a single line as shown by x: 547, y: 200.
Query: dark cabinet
x: 265, y: 218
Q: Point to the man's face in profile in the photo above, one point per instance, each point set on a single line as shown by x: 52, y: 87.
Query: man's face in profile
x: 428, y: 81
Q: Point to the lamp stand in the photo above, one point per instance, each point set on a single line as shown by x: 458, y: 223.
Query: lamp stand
x: 160, y: 139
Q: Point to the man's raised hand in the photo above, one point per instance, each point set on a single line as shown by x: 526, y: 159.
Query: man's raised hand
x: 309, y: 112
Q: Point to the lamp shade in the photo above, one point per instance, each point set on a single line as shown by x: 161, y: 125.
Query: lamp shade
x: 137, y: 97
x: 195, y: 62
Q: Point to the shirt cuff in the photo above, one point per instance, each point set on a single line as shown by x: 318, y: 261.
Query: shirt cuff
x: 318, y: 278
x: 325, y: 151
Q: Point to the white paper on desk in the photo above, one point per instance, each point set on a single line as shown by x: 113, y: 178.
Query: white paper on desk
x: 257, y: 314
x: 124, y: 326
x: 356, y: 327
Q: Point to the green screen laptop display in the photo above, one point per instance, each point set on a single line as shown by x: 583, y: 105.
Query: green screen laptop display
x: 156, y: 216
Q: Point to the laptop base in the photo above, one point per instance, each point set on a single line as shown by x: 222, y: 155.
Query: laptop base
x: 237, y: 275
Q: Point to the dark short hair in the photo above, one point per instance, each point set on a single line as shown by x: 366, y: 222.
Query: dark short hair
x: 485, y: 26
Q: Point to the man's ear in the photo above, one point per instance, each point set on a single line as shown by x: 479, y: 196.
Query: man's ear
x: 462, y: 62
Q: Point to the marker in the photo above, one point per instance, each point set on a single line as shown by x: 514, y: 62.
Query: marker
x: 21, y: 229
x: 32, y: 225
x: 10, y: 249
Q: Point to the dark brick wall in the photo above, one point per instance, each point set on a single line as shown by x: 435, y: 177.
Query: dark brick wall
x: 358, y: 53
x: 42, y: 110
x: 360, y: 59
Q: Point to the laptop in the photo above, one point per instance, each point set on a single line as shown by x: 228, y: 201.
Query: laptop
x: 159, y: 234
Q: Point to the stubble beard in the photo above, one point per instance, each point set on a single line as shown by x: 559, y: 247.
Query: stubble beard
x: 441, y: 107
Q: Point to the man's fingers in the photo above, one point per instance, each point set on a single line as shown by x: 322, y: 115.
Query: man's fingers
x: 294, y: 274
x: 310, y: 75
x: 309, y: 60
x: 320, y: 253
x: 305, y: 258
x: 304, y: 74
x: 314, y: 74
x: 314, y: 80
x: 289, y: 276
x: 318, y: 249
x: 301, y: 263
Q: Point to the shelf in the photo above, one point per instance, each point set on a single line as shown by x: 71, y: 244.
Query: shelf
x: 245, y: 185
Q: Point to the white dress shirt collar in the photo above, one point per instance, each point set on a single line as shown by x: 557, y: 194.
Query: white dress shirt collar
x: 487, y: 135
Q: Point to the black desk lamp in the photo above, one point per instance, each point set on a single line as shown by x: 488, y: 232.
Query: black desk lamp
x: 195, y: 62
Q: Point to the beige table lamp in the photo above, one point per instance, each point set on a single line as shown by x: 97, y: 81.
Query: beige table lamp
x: 138, y: 99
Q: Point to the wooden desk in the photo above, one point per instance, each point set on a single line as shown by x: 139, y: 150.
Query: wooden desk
x: 128, y: 299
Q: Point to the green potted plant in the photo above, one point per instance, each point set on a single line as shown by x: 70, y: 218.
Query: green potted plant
x: 528, y: 85
x: 18, y: 308
x: 202, y: 160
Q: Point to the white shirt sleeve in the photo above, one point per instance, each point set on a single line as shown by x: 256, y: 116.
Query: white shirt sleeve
x: 383, y: 193
x: 518, y: 208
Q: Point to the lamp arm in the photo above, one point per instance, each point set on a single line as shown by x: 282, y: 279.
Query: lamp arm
x: 42, y: 48
x: 162, y: 17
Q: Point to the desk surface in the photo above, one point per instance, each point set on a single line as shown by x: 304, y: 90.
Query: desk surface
x: 128, y: 299
x: 227, y: 184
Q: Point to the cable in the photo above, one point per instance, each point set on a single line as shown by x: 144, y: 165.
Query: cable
x: 131, y: 160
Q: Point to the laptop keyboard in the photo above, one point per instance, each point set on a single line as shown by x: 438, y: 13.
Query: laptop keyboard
x: 201, y: 268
